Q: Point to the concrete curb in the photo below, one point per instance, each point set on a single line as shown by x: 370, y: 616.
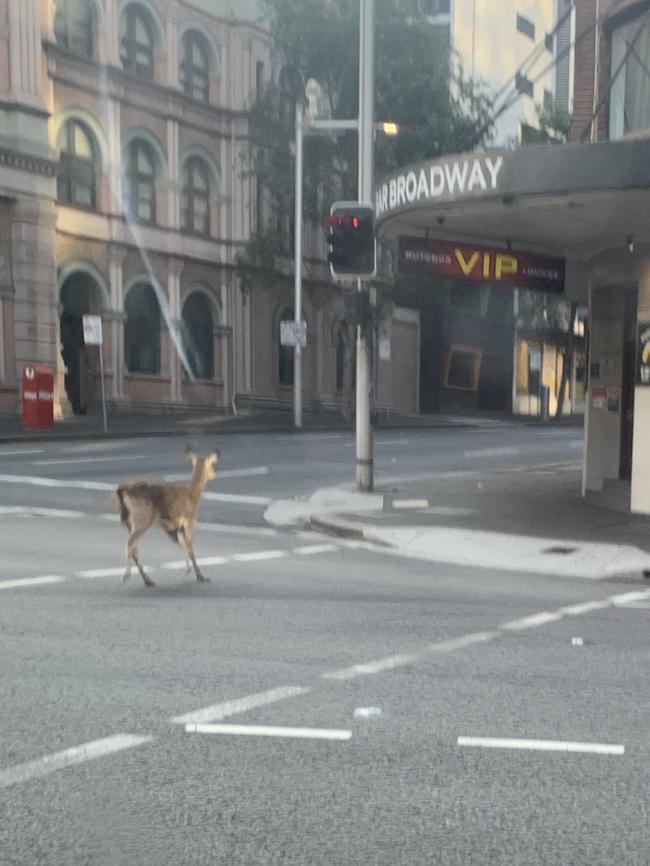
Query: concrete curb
x: 81, y: 435
x: 344, y: 529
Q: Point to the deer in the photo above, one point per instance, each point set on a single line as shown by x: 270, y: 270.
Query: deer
x: 172, y: 506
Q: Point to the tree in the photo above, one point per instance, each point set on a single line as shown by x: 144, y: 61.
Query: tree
x: 418, y: 85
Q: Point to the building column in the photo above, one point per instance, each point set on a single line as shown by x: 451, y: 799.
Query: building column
x: 173, y: 175
x: 111, y: 36
x: 116, y: 257
x: 25, y: 51
x: 172, y: 56
x: 174, y: 295
x: 114, y: 167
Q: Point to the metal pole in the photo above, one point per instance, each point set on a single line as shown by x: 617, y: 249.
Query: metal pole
x: 297, y: 352
x: 364, y: 437
x: 101, y: 375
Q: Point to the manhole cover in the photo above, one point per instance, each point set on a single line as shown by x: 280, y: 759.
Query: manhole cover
x: 559, y: 549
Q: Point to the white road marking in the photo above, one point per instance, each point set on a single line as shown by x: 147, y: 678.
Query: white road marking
x: 31, y: 581
x: 68, y: 758
x: 309, y: 549
x: 236, y: 498
x: 401, y: 659
x: 493, y: 452
x: 532, y: 621
x: 231, y: 529
x: 542, y: 745
x: 206, y: 560
x: 387, y: 442
x: 223, y: 710
x: 20, y: 453
x: 584, y: 607
x: 100, y: 572
x: 35, y: 481
x: 121, y: 459
x: 32, y: 511
x: 410, y: 503
x: 259, y: 555
x: 225, y: 473
x: 269, y: 731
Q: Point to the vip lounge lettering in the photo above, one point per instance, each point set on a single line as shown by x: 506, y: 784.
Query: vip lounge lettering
x: 475, y: 174
x: 479, y: 263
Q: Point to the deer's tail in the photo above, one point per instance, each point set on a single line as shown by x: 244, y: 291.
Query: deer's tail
x: 121, y: 506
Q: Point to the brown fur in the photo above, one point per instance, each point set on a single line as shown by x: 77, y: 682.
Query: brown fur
x: 172, y: 506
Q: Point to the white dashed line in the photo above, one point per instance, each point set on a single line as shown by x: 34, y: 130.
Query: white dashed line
x: 225, y: 473
x: 533, y: 621
x: 542, y: 745
x: 31, y: 581
x: 21, y: 453
x: 309, y: 549
x: 269, y: 731
x: 237, y: 499
x: 36, y: 481
x: 68, y: 758
x: 410, y: 503
x: 259, y: 555
x: 493, y: 452
x: 61, y: 462
x: 223, y: 710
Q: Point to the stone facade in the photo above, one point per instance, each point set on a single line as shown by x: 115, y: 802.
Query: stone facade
x: 123, y: 142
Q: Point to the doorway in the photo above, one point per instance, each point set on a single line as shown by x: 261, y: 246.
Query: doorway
x: 78, y: 295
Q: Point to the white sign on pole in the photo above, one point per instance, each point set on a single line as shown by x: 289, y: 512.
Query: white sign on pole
x: 93, y: 336
x: 293, y: 333
x: 384, y: 348
x: 92, y: 330
x: 535, y: 360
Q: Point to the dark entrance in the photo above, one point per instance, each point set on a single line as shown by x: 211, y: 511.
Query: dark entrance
x: 78, y: 298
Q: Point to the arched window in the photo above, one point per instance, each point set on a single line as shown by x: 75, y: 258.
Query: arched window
x: 76, y: 178
x: 74, y: 25
x: 195, y: 66
x: 196, y: 197
x: 199, y: 335
x: 285, y: 356
x: 137, y: 42
x: 141, y: 182
x: 142, y: 330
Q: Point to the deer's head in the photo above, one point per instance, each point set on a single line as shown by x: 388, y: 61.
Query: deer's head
x: 204, y: 466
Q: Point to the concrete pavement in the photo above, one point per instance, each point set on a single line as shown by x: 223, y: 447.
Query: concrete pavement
x: 519, y: 518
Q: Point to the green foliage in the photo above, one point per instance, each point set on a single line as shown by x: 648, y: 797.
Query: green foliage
x: 417, y: 85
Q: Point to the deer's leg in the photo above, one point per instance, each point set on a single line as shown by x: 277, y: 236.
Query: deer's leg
x: 132, y: 551
x: 175, y: 534
x: 185, y: 541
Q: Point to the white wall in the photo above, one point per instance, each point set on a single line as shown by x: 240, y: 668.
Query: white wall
x: 485, y: 34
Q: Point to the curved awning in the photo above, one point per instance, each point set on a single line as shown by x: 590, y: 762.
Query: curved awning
x: 565, y: 200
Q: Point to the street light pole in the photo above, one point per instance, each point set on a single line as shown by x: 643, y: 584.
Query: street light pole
x: 364, y: 436
x: 297, y: 352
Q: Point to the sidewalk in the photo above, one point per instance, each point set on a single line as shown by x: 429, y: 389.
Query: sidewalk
x: 211, y: 424
x: 529, y: 521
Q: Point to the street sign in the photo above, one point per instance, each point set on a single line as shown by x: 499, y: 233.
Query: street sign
x: 293, y: 333
x: 92, y: 330
x: 93, y: 336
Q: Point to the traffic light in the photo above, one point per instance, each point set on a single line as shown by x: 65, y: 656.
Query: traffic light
x: 351, y: 239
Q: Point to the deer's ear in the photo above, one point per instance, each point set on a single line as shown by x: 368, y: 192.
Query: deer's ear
x: 214, y: 456
x: 191, y: 455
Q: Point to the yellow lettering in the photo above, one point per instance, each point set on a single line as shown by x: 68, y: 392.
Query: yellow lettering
x: 505, y: 265
x: 466, y: 267
x: 486, y: 266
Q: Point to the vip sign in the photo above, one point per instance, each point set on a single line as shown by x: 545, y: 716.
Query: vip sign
x: 643, y: 354
x: 478, y: 264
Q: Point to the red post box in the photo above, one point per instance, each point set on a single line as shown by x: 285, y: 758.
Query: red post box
x: 38, y: 398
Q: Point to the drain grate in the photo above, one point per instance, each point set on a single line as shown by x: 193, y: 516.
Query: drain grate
x: 559, y: 549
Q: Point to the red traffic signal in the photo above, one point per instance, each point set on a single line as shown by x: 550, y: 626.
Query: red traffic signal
x: 351, y: 239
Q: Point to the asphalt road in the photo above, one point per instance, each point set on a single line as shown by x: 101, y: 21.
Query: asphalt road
x: 348, y: 673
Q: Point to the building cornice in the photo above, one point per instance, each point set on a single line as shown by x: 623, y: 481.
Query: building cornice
x: 27, y: 162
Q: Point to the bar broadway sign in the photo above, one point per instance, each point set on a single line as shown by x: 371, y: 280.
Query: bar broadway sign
x: 477, y: 264
x: 438, y: 181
